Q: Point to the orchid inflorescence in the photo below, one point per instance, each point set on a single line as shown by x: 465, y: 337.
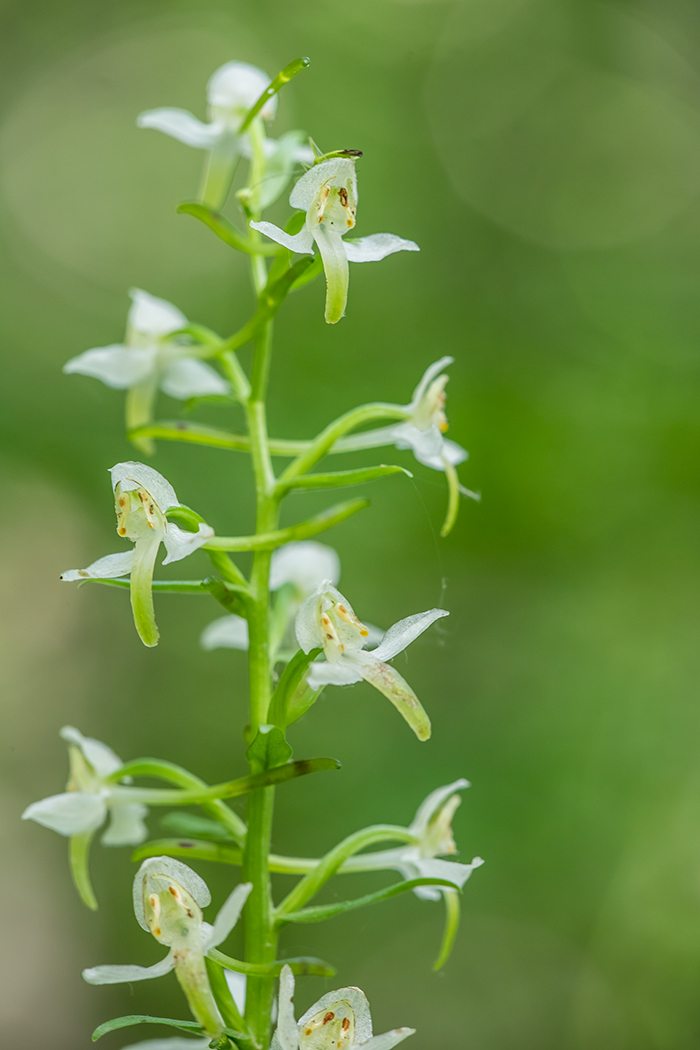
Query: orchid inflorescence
x: 300, y: 633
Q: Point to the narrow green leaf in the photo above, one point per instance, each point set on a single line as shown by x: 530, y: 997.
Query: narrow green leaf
x: 337, y: 478
x: 131, y: 1019
x: 288, y: 684
x: 224, y: 229
x: 282, y: 78
x: 270, y: 540
x: 314, y: 271
x: 269, y: 748
x: 328, y: 911
x: 230, y: 789
x: 300, y: 965
x: 231, y: 598
x: 195, y: 849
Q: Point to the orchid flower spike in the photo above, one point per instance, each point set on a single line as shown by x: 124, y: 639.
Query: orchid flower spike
x: 326, y: 620
x: 301, y: 566
x: 339, y: 1020
x: 142, y: 497
x: 328, y: 195
x: 90, y: 798
x: 232, y: 90
x: 168, y: 902
x: 148, y: 359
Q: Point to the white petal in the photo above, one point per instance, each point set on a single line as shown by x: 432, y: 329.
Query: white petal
x: 237, y: 987
x: 305, y: 564
x: 102, y: 759
x: 453, y: 452
x: 430, y: 868
x: 126, y: 826
x: 287, y: 1034
x: 433, y: 803
x: 237, y: 86
x: 228, y: 632
x: 181, y: 125
x: 388, y: 1039
x: 307, y: 625
x: 360, y: 1007
x: 111, y: 567
x: 170, y: 869
x: 406, y: 631
x: 180, y: 543
x: 176, y: 1043
x: 302, y: 243
x: 228, y: 916
x: 431, y: 372
x: 71, y: 813
x: 340, y: 673
x: 117, y: 366
x: 125, y: 974
x: 131, y: 475
x: 152, y: 316
x: 312, y: 181
x: 377, y: 246
x: 187, y: 377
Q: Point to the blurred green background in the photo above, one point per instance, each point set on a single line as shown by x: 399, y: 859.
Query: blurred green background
x: 545, y: 154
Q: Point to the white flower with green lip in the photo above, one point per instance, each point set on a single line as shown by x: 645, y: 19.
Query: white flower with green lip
x: 149, y: 359
x: 90, y: 797
x: 301, y: 566
x: 328, y: 195
x: 326, y: 620
x: 168, y: 901
x: 433, y: 839
x: 339, y: 1020
x: 232, y: 90
x: 143, y: 497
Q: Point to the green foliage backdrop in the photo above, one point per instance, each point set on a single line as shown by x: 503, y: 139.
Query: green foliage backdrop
x: 545, y: 154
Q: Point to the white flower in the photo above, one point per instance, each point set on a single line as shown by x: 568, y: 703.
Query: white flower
x: 424, y: 430
x: 328, y: 195
x: 303, y: 564
x: 339, y: 1020
x: 432, y: 827
x: 142, y: 498
x: 168, y: 901
x: 90, y: 798
x: 326, y: 620
x: 148, y: 359
x: 231, y: 92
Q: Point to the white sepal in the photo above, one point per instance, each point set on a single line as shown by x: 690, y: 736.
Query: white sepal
x: 102, y: 759
x: 152, y: 316
x: 314, y: 180
x: 228, y: 916
x: 111, y: 567
x: 287, y: 1033
x: 127, y: 825
x: 236, y: 86
x: 186, y: 377
x: 70, y: 813
x: 432, y: 868
x: 304, y: 563
x: 387, y: 1040
x: 401, y: 634
x: 168, y: 868
x: 128, y: 973
x: 117, y: 366
x: 302, y: 243
x: 430, y: 806
x: 181, y: 125
x: 377, y: 246
x: 322, y: 673
x: 179, y: 543
x: 358, y: 1004
x: 132, y: 475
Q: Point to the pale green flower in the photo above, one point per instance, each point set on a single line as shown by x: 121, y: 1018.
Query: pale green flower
x: 142, y: 498
x: 339, y: 1020
x: 326, y: 620
x: 328, y: 195
x: 168, y: 900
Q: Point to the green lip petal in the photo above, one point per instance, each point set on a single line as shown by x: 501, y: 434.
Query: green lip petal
x: 396, y: 689
x: 335, y: 263
x: 145, y: 552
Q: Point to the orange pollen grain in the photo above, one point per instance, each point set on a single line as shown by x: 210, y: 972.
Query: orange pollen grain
x: 329, y: 1017
x: 346, y: 1023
